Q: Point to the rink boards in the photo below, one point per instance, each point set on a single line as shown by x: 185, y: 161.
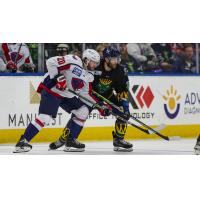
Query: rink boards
x: 173, y: 100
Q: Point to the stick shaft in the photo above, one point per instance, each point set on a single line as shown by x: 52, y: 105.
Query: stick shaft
x: 134, y: 118
x: 121, y: 118
x: 16, y: 57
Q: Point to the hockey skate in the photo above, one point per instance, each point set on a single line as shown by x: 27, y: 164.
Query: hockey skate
x: 73, y: 145
x: 61, y: 141
x: 197, y: 148
x: 57, y: 144
x: 22, y: 146
x: 120, y: 144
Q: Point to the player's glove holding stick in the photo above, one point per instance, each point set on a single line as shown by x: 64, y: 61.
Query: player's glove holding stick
x: 104, y: 110
x: 11, y: 66
x: 61, y: 83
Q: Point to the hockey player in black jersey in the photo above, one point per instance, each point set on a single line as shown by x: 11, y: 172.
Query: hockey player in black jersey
x: 197, y: 146
x: 111, y: 81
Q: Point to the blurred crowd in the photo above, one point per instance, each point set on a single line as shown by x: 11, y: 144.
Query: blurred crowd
x: 173, y: 58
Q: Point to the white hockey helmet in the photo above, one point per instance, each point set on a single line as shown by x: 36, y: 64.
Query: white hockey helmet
x: 90, y: 55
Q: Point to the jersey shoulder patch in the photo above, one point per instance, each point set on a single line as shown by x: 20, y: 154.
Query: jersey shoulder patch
x: 77, y: 71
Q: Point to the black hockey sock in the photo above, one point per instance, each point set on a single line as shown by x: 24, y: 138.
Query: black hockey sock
x: 30, y: 132
x: 74, y: 129
x: 120, y: 128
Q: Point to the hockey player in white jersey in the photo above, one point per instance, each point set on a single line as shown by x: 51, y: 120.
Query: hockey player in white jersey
x: 63, y: 72
x: 16, y: 57
x: 2, y: 62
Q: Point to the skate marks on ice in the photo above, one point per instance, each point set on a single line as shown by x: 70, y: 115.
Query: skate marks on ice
x: 140, y: 147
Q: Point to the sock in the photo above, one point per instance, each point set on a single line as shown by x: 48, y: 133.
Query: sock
x: 74, y: 128
x: 30, y: 132
x: 120, y: 129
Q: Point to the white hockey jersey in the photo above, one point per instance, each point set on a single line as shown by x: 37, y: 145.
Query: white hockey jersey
x: 10, y: 51
x: 78, y: 79
x: 2, y: 64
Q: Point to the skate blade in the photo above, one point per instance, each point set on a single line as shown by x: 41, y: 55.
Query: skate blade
x: 57, y: 149
x: 53, y: 149
x: 197, y: 152
x: 19, y: 150
x: 71, y: 149
x: 120, y: 149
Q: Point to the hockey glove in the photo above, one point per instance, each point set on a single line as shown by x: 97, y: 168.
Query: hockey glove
x: 105, y: 109
x: 61, y: 83
x: 27, y: 67
x: 11, y: 66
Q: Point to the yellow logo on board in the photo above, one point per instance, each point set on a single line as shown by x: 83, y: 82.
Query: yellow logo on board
x: 34, y: 96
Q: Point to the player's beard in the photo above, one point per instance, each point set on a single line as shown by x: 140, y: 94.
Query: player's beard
x: 112, y: 66
x: 108, y: 65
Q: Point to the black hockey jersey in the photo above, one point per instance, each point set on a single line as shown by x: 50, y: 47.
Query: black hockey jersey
x: 106, y: 82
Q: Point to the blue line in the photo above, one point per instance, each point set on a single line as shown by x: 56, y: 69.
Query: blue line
x: 130, y: 74
x: 161, y: 74
x: 21, y: 74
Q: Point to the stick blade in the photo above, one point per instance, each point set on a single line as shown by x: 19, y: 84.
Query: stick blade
x: 174, y: 138
x: 158, y: 128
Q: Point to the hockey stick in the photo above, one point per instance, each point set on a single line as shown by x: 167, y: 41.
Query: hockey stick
x: 116, y: 107
x: 148, y: 131
x: 16, y: 57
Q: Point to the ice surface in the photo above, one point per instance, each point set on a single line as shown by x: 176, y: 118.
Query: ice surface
x: 141, y: 147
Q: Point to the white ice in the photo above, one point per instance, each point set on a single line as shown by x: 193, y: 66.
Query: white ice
x: 140, y: 147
